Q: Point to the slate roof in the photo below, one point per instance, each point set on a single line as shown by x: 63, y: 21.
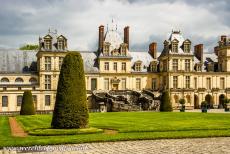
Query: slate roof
x: 17, y: 61
x: 144, y: 57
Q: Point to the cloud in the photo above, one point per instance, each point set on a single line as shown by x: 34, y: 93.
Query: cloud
x: 149, y: 20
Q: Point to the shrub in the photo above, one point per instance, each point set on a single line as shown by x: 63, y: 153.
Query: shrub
x: 70, y: 109
x: 226, y: 102
x: 27, y: 107
x: 165, y: 104
x: 182, y: 101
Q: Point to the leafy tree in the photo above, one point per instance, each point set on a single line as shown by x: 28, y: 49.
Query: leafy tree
x: 29, y: 47
x: 165, y: 104
x: 70, y: 109
x: 27, y: 107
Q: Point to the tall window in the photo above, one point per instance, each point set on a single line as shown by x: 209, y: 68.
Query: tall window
x: 48, y: 44
x: 47, y: 63
x: 195, y: 83
x: 222, y: 83
x: 174, y: 47
x: 106, y: 84
x: 47, y: 82
x: 187, y: 65
x: 123, y: 84
x: 175, y: 64
x: 154, y: 83
x: 4, y: 101
x: 19, y: 100
x: 138, y: 83
x: 175, y: 82
x: 208, y: 83
x: 138, y: 67
x: 60, y: 62
x: 115, y: 66
x: 60, y: 45
x: 187, y: 82
x: 107, y: 66
x: 187, y: 48
x: 93, y: 84
x: 123, y: 66
x: 47, y: 100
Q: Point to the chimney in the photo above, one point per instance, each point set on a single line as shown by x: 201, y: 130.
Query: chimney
x: 224, y: 39
x: 198, y: 51
x: 153, y: 49
x: 126, y: 35
x: 101, y: 38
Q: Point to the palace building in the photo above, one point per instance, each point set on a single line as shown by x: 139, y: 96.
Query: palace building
x: 114, y: 70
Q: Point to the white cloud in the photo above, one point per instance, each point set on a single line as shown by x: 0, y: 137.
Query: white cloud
x: 79, y: 21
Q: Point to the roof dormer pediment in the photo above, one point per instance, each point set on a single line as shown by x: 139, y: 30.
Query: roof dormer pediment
x: 61, y: 37
x: 48, y: 36
x: 175, y: 41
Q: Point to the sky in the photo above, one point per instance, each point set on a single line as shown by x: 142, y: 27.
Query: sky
x: 23, y: 21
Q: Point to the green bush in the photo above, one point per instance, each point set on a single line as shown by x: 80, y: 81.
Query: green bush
x: 165, y: 104
x: 27, y: 107
x: 70, y: 109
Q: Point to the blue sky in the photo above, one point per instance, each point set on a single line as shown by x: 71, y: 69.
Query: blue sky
x: 23, y: 21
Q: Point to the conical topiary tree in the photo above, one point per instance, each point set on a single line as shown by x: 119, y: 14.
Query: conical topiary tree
x: 165, y: 103
x: 27, y: 106
x: 70, y: 109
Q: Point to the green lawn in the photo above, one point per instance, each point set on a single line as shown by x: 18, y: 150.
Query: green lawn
x: 129, y: 125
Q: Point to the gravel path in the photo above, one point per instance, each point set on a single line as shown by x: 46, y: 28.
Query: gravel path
x: 16, y: 129
x: 169, y: 146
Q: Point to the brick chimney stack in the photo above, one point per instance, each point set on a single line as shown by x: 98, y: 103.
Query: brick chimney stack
x: 198, y: 51
x: 153, y: 49
x: 223, y: 39
x: 126, y: 35
x: 101, y: 37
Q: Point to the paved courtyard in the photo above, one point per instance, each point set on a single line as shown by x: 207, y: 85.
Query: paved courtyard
x: 170, y: 146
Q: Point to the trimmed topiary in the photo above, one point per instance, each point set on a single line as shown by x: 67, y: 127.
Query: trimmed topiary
x: 27, y: 107
x: 165, y: 104
x: 71, y: 109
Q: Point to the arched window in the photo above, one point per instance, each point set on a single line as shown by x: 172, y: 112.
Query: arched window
x: 19, y: 80
x: 188, y: 97
x: 5, y: 80
x: 176, y: 99
x: 33, y: 80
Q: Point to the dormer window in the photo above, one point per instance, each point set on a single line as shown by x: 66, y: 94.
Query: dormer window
x: 60, y: 45
x: 106, y: 49
x: 187, y: 46
x: 138, y: 66
x: 123, y: 49
x: 48, y: 44
x: 153, y: 67
x: 175, y: 47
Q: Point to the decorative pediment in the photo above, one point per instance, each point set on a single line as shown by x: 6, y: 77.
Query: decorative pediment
x: 187, y: 41
x: 175, y: 41
x: 61, y: 37
x: 48, y: 36
x: 115, y: 80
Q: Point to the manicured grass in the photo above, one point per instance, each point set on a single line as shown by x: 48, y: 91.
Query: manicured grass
x: 130, y: 126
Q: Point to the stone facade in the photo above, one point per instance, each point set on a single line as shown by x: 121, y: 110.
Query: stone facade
x: 193, y: 75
